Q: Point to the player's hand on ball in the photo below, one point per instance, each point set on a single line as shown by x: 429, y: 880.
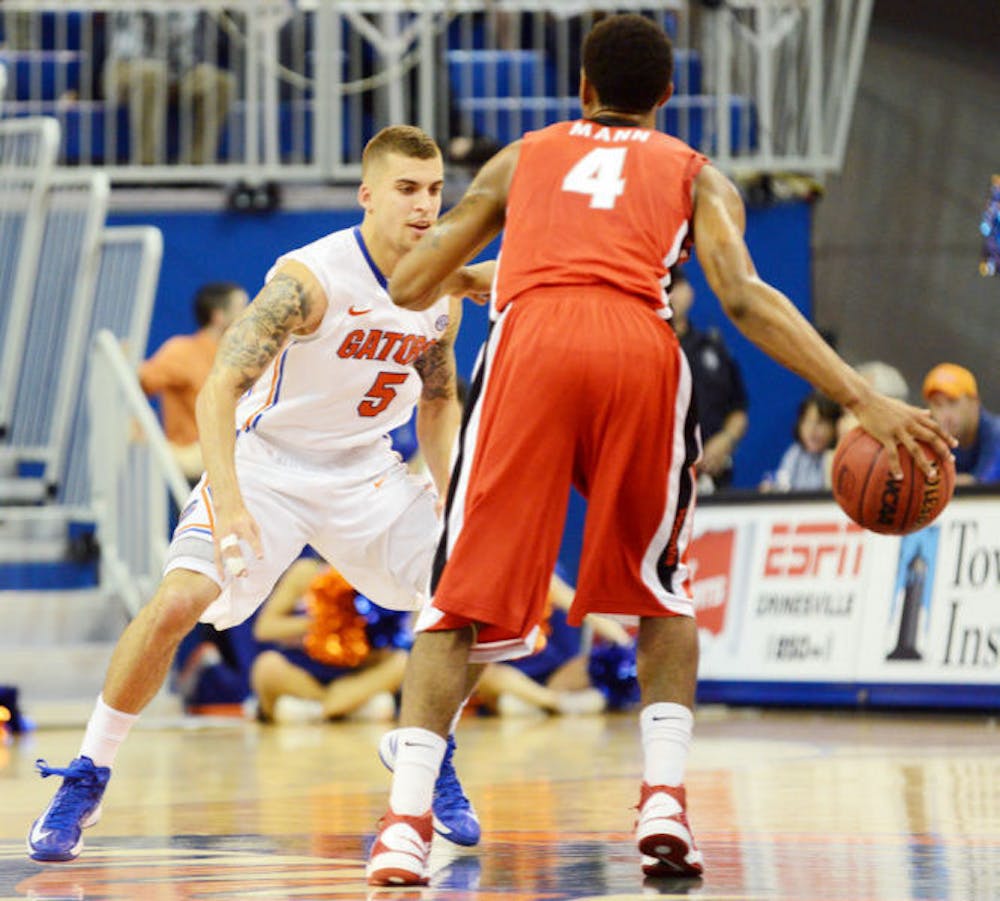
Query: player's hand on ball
x: 892, y: 423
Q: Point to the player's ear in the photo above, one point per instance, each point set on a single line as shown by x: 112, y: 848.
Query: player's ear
x: 365, y: 197
x: 587, y: 93
x: 667, y: 94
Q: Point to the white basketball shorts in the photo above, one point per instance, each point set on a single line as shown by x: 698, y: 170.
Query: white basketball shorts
x: 364, y: 512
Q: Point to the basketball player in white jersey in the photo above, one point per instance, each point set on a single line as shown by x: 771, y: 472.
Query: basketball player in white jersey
x: 314, y: 373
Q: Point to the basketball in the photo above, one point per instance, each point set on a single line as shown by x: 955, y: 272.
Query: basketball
x: 866, y: 493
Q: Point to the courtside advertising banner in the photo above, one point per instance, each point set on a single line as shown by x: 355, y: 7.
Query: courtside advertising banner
x: 933, y: 614
x: 789, y: 592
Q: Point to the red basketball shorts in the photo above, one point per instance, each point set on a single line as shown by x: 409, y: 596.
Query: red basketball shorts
x: 575, y: 386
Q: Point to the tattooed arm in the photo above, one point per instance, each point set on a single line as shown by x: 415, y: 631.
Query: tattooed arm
x: 457, y: 236
x: 438, y: 411
x: 291, y: 302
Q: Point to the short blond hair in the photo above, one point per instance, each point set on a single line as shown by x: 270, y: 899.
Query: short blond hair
x: 406, y: 140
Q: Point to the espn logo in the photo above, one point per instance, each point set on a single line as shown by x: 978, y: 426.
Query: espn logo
x: 814, y: 550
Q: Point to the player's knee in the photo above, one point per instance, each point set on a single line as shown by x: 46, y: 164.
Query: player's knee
x: 179, y: 603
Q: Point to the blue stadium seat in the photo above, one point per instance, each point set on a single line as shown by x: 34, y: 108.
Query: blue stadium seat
x: 61, y: 30
x: 497, y: 73
x: 499, y: 117
x: 42, y: 74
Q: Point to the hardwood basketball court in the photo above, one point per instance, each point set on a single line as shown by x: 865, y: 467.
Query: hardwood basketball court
x: 798, y: 805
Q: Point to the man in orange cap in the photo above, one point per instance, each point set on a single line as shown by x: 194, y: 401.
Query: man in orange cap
x: 953, y: 396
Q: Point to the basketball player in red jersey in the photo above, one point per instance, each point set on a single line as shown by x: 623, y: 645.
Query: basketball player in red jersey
x: 582, y: 381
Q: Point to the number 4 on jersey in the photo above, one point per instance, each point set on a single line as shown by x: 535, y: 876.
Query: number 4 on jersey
x: 598, y: 175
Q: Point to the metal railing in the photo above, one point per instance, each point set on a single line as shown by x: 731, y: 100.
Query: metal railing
x: 128, y: 272
x: 133, y: 475
x: 799, y: 62
x: 43, y: 357
x: 28, y: 150
x: 268, y: 90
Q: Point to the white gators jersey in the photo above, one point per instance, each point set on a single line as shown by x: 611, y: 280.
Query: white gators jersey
x: 353, y: 380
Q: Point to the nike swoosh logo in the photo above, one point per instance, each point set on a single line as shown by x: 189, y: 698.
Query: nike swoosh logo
x: 379, y: 482
x: 353, y: 312
x: 39, y: 835
x: 415, y: 744
x: 401, y: 838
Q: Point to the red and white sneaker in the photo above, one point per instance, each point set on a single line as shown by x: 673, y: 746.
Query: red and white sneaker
x: 402, y: 846
x: 663, y: 833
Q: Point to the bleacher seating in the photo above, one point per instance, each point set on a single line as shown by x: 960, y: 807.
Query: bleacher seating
x: 499, y: 93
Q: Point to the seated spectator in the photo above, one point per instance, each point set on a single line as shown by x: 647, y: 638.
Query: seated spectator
x: 155, y: 59
x: 883, y: 378
x: 179, y: 368
x: 211, y: 671
x: 333, y: 652
x: 805, y: 465
x: 556, y: 678
x: 953, y: 396
x: 718, y: 389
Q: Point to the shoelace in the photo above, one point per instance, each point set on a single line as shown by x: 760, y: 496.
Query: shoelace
x: 76, y: 790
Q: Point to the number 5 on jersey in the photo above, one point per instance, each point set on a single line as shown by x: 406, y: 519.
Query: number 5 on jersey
x: 381, y: 393
x: 598, y: 175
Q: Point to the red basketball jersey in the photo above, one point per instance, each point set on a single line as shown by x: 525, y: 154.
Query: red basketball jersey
x: 597, y: 204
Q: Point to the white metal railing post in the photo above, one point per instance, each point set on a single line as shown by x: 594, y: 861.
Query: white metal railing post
x: 132, y: 472
x: 251, y: 135
x: 766, y: 49
x: 723, y: 83
x: 326, y: 89
x: 266, y: 26
x: 28, y: 179
x: 427, y: 72
x: 862, y: 20
x: 391, y: 51
x: 814, y: 102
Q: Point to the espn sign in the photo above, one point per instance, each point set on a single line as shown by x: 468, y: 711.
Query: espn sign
x: 827, y: 550
x: 710, y: 557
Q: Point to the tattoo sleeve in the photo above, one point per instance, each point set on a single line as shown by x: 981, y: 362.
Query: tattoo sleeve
x: 436, y: 367
x: 255, y: 338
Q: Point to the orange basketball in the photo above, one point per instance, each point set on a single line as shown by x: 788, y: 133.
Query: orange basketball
x: 863, y: 488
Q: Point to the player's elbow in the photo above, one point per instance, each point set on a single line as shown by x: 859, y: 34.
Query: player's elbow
x: 410, y: 294
x: 736, y: 294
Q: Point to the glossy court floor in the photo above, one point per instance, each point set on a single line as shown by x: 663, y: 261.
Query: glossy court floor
x: 799, y: 805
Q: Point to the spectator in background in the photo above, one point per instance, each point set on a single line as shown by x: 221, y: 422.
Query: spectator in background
x: 154, y: 60
x: 718, y: 387
x: 953, y: 396
x: 179, y: 368
x: 883, y: 378
x: 805, y: 466
x: 333, y: 653
x: 554, y: 679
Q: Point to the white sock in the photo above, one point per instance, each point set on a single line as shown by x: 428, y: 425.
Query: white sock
x: 666, y: 737
x: 457, y: 716
x: 106, y: 730
x: 419, y: 753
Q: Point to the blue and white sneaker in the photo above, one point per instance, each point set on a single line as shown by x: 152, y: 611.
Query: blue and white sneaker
x: 454, y: 816
x: 57, y: 833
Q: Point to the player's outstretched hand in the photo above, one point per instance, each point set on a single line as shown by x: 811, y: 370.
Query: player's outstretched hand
x: 234, y: 532
x: 892, y: 422
x: 474, y: 281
